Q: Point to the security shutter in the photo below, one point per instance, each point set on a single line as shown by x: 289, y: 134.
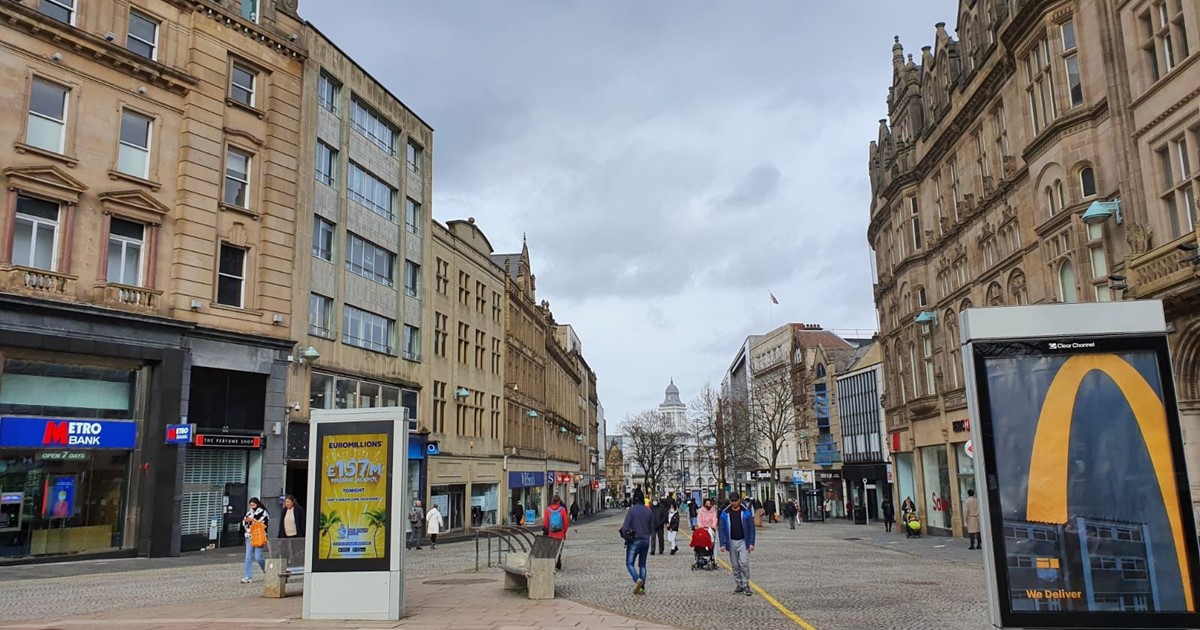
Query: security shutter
x: 205, y: 474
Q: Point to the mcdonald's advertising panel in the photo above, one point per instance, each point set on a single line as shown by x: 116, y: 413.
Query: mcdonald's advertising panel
x: 1088, y: 520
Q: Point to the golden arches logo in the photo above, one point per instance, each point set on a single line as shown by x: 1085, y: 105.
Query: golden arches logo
x: 1047, y: 501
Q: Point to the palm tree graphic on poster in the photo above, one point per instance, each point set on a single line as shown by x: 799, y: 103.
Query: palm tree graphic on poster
x: 377, y: 520
x: 329, y: 520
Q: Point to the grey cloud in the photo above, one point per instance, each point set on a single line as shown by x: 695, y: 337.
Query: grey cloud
x: 758, y: 186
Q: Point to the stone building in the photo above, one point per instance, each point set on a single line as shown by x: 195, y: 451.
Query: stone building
x: 362, y: 220
x: 1045, y: 155
x: 146, y: 235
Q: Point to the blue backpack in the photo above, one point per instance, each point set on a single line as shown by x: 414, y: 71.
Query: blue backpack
x: 556, y: 520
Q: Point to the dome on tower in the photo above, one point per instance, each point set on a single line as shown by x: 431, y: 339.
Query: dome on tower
x: 671, y: 389
x: 672, y: 399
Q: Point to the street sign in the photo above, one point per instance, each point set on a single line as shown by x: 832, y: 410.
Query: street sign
x: 179, y: 433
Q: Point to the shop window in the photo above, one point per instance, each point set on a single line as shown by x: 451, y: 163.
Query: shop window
x: 68, y: 391
x: 320, y: 391
x: 227, y: 399
x: 936, y: 471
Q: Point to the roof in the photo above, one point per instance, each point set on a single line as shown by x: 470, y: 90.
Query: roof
x: 510, y: 263
x: 820, y: 338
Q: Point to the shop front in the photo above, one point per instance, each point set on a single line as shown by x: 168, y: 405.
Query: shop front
x: 936, y: 500
x: 525, y: 490
x: 868, y: 485
x: 829, y: 487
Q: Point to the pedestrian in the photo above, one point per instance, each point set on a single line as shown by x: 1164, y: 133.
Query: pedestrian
x: 659, y: 510
x: 291, y: 522
x: 636, y: 530
x: 759, y: 511
x: 789, y: 512
x: 672, y: 527
x: 971, y: 509
x: 555, y: 524
x: 908, y: 505
x: 638, y: 495
x: 433, y: 525
x: 574, y: 512
x: 518, y: 513
x: 416, y: 522
x: 254, y: 528
x: 692, y: 508
x: 707, y: 516
x: 889, y: 514
x: 737, y: 535
x: 770, y: 511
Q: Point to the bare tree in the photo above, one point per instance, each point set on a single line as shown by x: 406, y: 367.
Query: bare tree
x: 653, y: 444
x: 773, y: 417
x: 712, y: 452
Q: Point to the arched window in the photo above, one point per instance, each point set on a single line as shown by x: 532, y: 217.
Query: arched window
x: 995, y: 297
x: 820, y: 370
x: 1016, y: 288
x: 1087, y: 181
x: 1058, y: 193
x: 1067, y: 290
x: 922, y: 300
x: 900, y: 382
x: 1051, y: 201
x: 953, y: 347
x: 913, y: 370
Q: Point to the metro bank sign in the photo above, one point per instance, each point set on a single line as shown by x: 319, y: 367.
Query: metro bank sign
x: 25, y: 432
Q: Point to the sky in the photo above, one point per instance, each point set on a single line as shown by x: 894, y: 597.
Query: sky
x: 672, y: 163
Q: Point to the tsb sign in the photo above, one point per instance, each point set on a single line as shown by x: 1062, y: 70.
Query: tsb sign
x: 72, y: 433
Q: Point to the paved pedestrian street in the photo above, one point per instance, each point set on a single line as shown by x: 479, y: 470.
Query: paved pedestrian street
x: 821, y: 575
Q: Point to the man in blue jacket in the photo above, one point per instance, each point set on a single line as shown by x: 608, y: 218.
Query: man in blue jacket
x: 639, y: 520
x: 736, y: 531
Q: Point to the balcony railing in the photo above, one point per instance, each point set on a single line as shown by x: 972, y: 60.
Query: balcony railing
x: 827, y: 453
x: 39, y: 283
x: 126, y: 297
x: 1161, y: 269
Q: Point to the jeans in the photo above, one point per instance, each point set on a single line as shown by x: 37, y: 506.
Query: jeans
x: 739, y: 558
x: 637, y: 549
x: 693, y: 522
x: 657, y: 536
x: 254, y: 554
x: 414, y: 537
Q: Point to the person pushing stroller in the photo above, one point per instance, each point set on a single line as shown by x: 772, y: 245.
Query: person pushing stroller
x: 702, y: 546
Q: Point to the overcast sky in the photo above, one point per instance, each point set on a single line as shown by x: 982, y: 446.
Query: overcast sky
x: 671, y: 161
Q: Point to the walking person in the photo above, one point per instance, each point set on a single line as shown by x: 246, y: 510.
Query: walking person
x: 433, y: 525
x: 254, y: 528
x: 416, y: 523
x: 575, y: 512
x: 707, y: 516
x: 672, y: 528
x: 737, y: 535
x: 789, y: 512
x: 636, y: 530
x: 555, y: 524
x: 659, y: 511
x: 889, y: 515
x: 971, y: 510
x: 692, y: 509
x: 291, y: 523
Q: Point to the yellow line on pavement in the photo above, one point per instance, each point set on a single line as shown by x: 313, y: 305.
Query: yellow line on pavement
x: 765, y: 595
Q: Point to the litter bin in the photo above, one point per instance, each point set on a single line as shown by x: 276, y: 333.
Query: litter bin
x: 860, y: 516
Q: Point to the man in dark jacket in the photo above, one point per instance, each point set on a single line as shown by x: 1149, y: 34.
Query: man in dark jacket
x: 659, y: 512
x: 640, y: 521
x: 736, y: 531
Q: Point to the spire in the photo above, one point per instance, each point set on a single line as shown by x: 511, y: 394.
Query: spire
x: 897, y: 54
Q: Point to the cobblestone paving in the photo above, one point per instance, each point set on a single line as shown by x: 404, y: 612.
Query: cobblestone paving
x: 872, y: 581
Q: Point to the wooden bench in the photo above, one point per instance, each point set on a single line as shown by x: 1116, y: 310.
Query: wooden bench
x: 286, y: 561
x: 534, y: 571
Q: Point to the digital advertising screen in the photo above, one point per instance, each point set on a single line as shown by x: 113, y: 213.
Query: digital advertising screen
x: 1089, y: 514
x: 353, y: 502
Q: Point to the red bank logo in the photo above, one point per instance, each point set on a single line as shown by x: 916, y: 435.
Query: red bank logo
x: 68, y: 433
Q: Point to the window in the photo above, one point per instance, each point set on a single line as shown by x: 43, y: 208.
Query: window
x: 47, y: 116
x: 1001, y: 136
x: 981, y: 157
x: 133, y: 154
x: 231, y: 276
x: 326, y: 164
x: 369, y: 260
x: 237, y: 178
x: 242, y: 81
x: 412, y: 278
x: 142, y: 38
x: 915, y: 218
x: 1178, y: 192
x: 1060, y: 194
x: 441, y: 324
x: 953, y: 166
x: 1051, y: 203
x: 439, y: 407
x: 497, y: 309
x: 372, y: 126
x: 464, y: 290
x: 415, y: 155
x: 1071, y: 62
x: 126, y: 242
x: 443, y: 276
x: 328, y: 92
x: 61, y: 10
x: 1099, y: 260
x: 35, y: 235
x: 323, y: 233
x: 1087, y: 181
x: 412, y: 343
x: 1042, y: 107
x: 1066, y: 283
x: 250, y: 10
x: 464, y: 343
x: 412, y: 216
x: 937, y: 197
x: 927, y: 353
x: 480, y: 349
x: 1164, y: 36
x: 319, y: 310
x: 367, y: 330
x: 480, y: 298
x: 370, y: 191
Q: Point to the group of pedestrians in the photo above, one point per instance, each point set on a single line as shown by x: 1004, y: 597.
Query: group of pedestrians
x: 422, y: 523
x: 647, y: 519
x: 255, y: 527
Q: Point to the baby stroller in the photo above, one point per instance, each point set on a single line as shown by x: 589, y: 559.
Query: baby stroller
x: 912, y: 525
x: 702, y: 545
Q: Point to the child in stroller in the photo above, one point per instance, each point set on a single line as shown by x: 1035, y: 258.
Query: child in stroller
x: 702, y: 545
x: 912, y: 525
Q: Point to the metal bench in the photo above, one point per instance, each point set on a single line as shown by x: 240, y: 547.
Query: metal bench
x: 534, y: 572
x: 286, y: 561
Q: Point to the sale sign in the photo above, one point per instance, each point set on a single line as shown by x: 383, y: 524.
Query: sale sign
x: 352, y: 522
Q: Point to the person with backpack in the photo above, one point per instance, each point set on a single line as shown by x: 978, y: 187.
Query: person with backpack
x: 416, y: 521
x: 554, y: 525
x: 254, y: 527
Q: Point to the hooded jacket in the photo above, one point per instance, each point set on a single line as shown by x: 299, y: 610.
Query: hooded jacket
x: 747, y: 526
x: 706, y: 517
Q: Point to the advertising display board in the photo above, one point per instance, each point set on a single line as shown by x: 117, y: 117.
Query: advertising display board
x: 1087, y: 512
x: 353, y: 500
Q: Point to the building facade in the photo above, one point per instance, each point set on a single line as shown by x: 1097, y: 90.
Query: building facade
x: 145, y: 255
x: 866, y: 462
x: 1045, y: 155
x: 363, y: 219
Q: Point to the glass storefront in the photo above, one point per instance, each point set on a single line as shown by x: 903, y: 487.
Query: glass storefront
x: 485, y: 504
x: 525, y: 497
x: 966, y: 476
x: 450, y: 501
x: 935, y: 468
x: 64, y: 485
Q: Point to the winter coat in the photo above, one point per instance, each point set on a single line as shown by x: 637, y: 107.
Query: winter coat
x: 660, y: 515
x: 433, y: 521
x: 747, y: 527
x: 298, y: 514
x: 258, y: 514
x: 673, y: 521
x: 707, y: 517
x: 972, y: 513
x: 546, y: 521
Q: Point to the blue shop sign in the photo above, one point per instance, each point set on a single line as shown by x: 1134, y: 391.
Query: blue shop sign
x: 416, y: 447
x: 24, y: 432
x: 526, y: 479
